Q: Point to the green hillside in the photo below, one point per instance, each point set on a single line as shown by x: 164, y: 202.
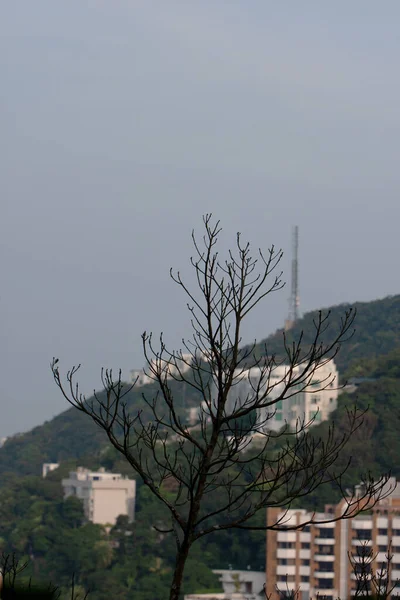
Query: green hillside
x: 37, y: 523
x: 72, y: 435
x: 377, y: 331
x: 375, y: 446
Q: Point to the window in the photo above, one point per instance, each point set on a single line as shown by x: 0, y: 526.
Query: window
x: 362, y: 568
x: 305, y: 545
x: 305, y: 562
x: 278, y: 416
x: 317, y: 416
x: 326, y: 532
x: 331, y: 400
x: 304, y: 578
x: 325, y: 584
x: 286, y: 544
x: 325, y: 567
x: 395, y: 531
x: 382, y: 531
x: 278, y: 405
x: 248, y: 587
x: 363, y: 550
x: 382, y: 548
x: 363, y: 534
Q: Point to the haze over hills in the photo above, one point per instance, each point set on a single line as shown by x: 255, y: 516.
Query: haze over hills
x: 72, y: 435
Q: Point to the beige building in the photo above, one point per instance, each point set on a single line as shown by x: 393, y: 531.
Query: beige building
x: 315, y: 559
x: 105, y: 496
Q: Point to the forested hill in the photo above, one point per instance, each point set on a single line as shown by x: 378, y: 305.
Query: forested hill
x: 377, y: 331
x: 377, y: 393
x: 72, y: 435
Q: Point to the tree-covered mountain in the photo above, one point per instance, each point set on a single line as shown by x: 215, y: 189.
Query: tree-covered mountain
x: 71, y: 435
x: 36, y: 522
x: 377, y: 331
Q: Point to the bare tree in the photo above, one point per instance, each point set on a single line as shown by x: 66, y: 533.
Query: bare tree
x: 220, y: 477
x: 373, y: 579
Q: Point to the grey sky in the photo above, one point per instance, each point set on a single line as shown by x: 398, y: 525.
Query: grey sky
x: 122, y: 122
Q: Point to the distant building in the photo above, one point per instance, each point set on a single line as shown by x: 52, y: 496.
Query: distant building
x: 171, y: 368
x: 313, y: 401
x: 139, y: 377
x: 237, y: 585
x: 48, y: 467
x: 105, y: 496
x: 315, y: 559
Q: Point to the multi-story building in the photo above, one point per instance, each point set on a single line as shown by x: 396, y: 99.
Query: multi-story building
x: 328, y: 559
x: 105, y: 496
x: 311, y: 401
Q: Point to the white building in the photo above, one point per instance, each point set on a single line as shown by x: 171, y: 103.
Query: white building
x: 237, y: 585
x: 48, y: 467
x: 105, y: 496
x: 139, y: 377
x: 172, y: 367
x: 312, y: 402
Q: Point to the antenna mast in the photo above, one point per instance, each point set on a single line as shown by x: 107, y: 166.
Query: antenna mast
x: 294, y: 302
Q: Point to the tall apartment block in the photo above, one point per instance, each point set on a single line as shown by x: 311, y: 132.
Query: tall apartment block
x: 313, y: 404
x: 105, y: 496
x: 315, y: 559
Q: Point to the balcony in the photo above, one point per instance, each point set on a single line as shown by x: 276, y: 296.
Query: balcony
x: 382, y: 540
x: 324, y: 541
x: 324, y: 557
x: 323, y: 574
x: 381, y: 557
x: 382, y: 522
x: 286, y: 536
x: 303, y: 570
x: 286, y: 570
x: 395, y: 575
x: 356, y: 577
x: 356, y: 542
x: 286, y: 553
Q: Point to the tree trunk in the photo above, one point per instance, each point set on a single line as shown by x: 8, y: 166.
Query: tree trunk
x: 179, y: 569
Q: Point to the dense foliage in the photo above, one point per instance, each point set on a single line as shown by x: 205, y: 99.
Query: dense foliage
x: 37, y: 524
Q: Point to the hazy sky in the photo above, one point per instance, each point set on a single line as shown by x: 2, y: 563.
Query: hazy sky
x: 122, y: 122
